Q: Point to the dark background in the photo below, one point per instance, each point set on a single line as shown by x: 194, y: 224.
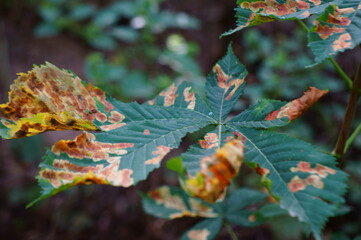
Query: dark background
x: 104, y: 212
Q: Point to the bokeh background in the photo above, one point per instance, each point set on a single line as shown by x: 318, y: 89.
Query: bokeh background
x: 133, y: 49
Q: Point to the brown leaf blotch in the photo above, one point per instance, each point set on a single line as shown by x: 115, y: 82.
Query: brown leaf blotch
x: 169, y: 95
x: 160, y: 154
x: 210, y: 141
x: 298, y: 106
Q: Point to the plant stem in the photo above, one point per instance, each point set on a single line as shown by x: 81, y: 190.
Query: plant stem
x: 340, y: 71
x: 352, y: 137
x: 303, y: 25
x: 337, y: 67
x: 339, y: 150
x: 230, y: 230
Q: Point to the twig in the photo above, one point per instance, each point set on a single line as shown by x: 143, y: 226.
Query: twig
x: 349, y: 116
x: 230, y: 230
x: 352, y: 137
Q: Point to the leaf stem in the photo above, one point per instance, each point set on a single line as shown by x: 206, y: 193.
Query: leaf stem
x: 353, y: 137
x: 303, y: 25
x: 340, y: 147
x: 337, y: 67
x: 230, y: 231
x: 340, y: 71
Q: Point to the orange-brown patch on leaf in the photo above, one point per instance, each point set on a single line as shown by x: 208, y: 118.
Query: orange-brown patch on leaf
x: 272, y: 7
x: 100, y: 96
x: 343, y: 42
x: 319, y: 169
x: 252, y: 218
x: 337, y: 18
x: 86, y: 146
x: 225, y: 82
x: 66, y: 165
x: 315, y: 181
x: 115, y: 117
x: 198, y: 234
x: 298, y: 106
x: 169, y: 95
x: 189, y: 96
x: 164, y: 197
x: 316, y: 2
x: 229, y: 138
x: 325, y: 31
x: 146, y: 132
x: 113, y: 126
x: 210, y: 141
x: 216, y: 171
x: 305, y: 14
x: 296, y: 184
x: 262, y: 171
x: 160, y: 154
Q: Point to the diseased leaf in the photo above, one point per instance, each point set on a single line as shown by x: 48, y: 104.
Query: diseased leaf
x: 121, y: 156
x: 254, y: 12
x: 306, y: 181
x: 216, y: 172
x: 171, y: 202
x: 335, y: 30
x: 235, y: 207
x: 47, y: 98
x: 296, y: 108
x: 131, y: 140
x: 225, y: 85
x: 204, y: 230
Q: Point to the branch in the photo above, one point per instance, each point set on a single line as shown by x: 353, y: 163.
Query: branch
x: 340, y: 147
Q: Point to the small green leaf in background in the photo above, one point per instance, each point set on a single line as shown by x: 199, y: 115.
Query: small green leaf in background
x: 176, y: 165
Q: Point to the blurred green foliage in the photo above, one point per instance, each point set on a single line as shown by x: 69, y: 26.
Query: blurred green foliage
x: 128, y: 62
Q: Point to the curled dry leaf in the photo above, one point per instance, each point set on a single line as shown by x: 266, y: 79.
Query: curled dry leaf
x: 47, y: 98
x: 298, y: 106
x: 216, y: 172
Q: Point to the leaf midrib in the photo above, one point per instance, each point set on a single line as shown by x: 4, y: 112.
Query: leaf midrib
x: 277, y: 173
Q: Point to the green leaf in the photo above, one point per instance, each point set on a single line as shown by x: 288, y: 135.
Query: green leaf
x: 253, y: 12
x: 255, y: 116
x: 234, y: 207
x: 307, y: 181
x: 205, y: 230
x: 176, y: 164
x: 225, y: 85
x: 335, y: 30
x: 172, y: 202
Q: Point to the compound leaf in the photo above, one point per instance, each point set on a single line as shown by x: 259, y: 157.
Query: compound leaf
x: 306, y: 181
